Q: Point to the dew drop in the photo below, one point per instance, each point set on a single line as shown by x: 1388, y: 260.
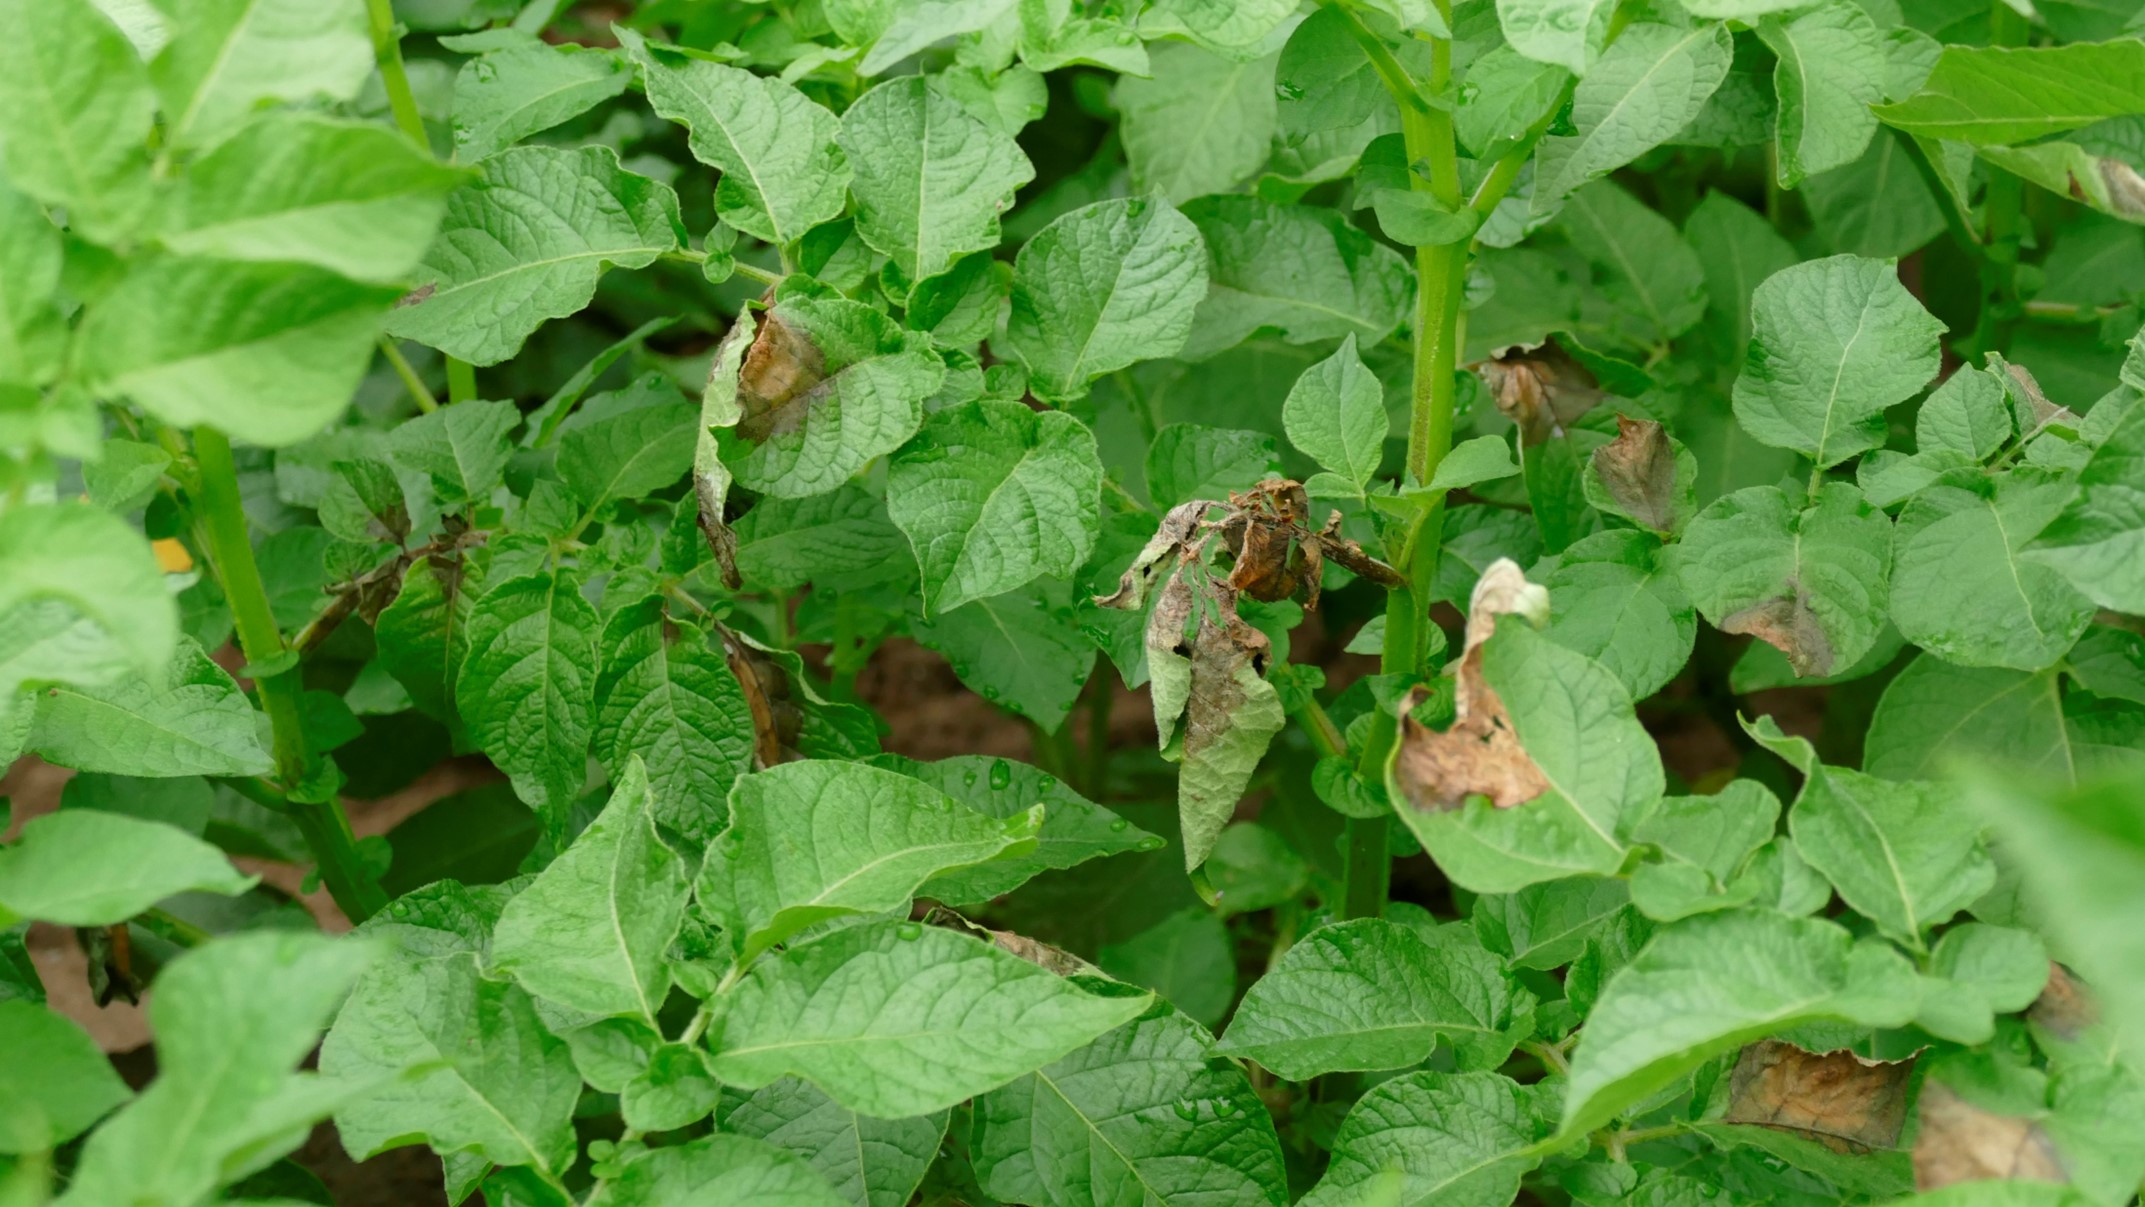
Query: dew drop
x: 1001, y: 774
x: 1120, y: 826
x: 909, y: 930
x: 1288, y: 91
x: 1186, y: 1110
x: 968, y: 779
x: 1152, y: 844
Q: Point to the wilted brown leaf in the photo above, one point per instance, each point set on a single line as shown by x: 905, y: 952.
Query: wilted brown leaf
x: 1034, y: 951
x: 1480, y: 753
x: 2065, y: 1008
x: 765, y: 690
x: 1638, y: 469
x: 775, y: 383
x: 1787, y: 623
x: 1960, y: 1142
x: 1172, y: 540
x: 1543, y: 391
x: 1833, y: 1098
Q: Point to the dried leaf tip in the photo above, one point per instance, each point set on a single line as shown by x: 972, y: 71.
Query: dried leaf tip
x: 1481, y: 753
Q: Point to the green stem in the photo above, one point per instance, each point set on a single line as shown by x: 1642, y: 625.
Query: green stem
x: 230, y: 549
x: 1366, y: 868
x: 419, y: 393
x: 1325, y: 735
x: 1100, y: 696
x: 2001, y: 207
x: 461, y: 380
x: 387, y: 52
x: 170, y: 927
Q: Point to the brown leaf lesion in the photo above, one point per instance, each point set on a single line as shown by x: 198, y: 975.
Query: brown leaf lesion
x: 1788, y: 623
x: 1542, y: 390
x: 1275, y: 553
x: 1962, y: 1142
x: 1480, y: 754
x: 1837, y: 1099
x: 782, y: 375
x: 1638, y: 470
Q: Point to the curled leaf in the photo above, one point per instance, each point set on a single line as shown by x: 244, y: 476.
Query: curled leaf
x: 1843, y: 1102
x: 1638, y: 470
x: 1480, y: 753
x: 1542, y: 390
x: 1960, y: 1142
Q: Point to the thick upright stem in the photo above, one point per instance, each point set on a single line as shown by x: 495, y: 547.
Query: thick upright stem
x: 2002, y: 206
x: 387, y: 52
x: 326, y: 828
x: 461, y: 380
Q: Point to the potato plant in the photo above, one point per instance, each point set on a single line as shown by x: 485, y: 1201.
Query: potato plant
x: 1627, y: 516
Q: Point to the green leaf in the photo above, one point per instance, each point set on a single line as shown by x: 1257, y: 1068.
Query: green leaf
x: 1996, y: 94
x: 2083, y: 862
x: 1102, y: 288
x: 232, y: 1020
x: 82, y: 601
x: 1710, y: 984
x: 1614, y: 597
x: 839, y: 541
x: 1879, y: 205
x: 895, y: 29
x: 1188, y: 461
x: 505, y: 96
x: 1200, y: 124
x: 1646, y: 87
x: 1969, y: 415
x: 1706, y: 842
x: 722, y: 1169
x: 76, y: 104
x: 1904, y: 855
x: 191, y: 719
x: 1961, y: 588
x: 422, y: 634
x: 228, y: 57
x: 495, y: 1083
x: 667, y: 696
x: 1810, y: 582
x: 840, y: 385
x: 1240, y: 29
x: 894, y: 1018
x: 929, y: 178
x: 821, y: 839
x: 1300, y: 270
x: 87, y: 867
x: 1738, y: 249
x: 1371, y: 994
x: 1188, y: 959
x: 1450, y: 1139
x: 526, y: 241
x: 1506, y: 94
x: 462, y: 449
x: 1142, y: 1115
x: 1562, y: 33
x: 57, y: 1081
x: 1481, y: 459
x: 1832, y: 69
x: 870, y: 1162
x: 1074, y: 829
x: 1836, y: 342
x: 1653, y: 282
x: 526, y: 687
x: 590, y: 932
x: 675, y: 1090
x: 993, y: 495
x: 1020, y: 650
x: 2098, y: 539
x: 622, y: 445
x: 1980, y: 971
x: 33, y: 335
x: 2109, y: 661
x: 347, y: 196
x: 1574, y: 721
x: 1335, y: 413
x: 269, y: 352
x: 782, y: 172
x: 1935, y: 711
x: 1546, y: 926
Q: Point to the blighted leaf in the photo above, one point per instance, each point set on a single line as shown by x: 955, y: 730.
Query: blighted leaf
x: 1835, y: 342
x: 1372, y: 994
x: 1835, y: 1098
x: 1542, y: 390
x: 992, y: 495
x: 1810, y: 582
x: 1645, y: 476
x: 1230, y: 716
x: 782, y: 172
x: 895, y: 1018
x: 1481, y: 753
x: 826, y: 385
x: 1961, y: 1142
x: 590, y: 932
x: 1101, y: 288
x: 819, y: 839
x: 527, y: 241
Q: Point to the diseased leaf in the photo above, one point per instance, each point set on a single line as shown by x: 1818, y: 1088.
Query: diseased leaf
x: 1833, y: 1098
x: 590, y: 932
x: 1812, y: 583
x: 1643, y: 475
x: 782, y: 170
x: 1961, y: 1142
x: 1102, y: 288
x: 1835, y: 342
x: 993, y: 495
x: 893, y: 1018
x: 526, y: 242
x: 1370, y: 994
x: 930, y: 179
x: 1143, y: 1114
x: 819, y: 839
